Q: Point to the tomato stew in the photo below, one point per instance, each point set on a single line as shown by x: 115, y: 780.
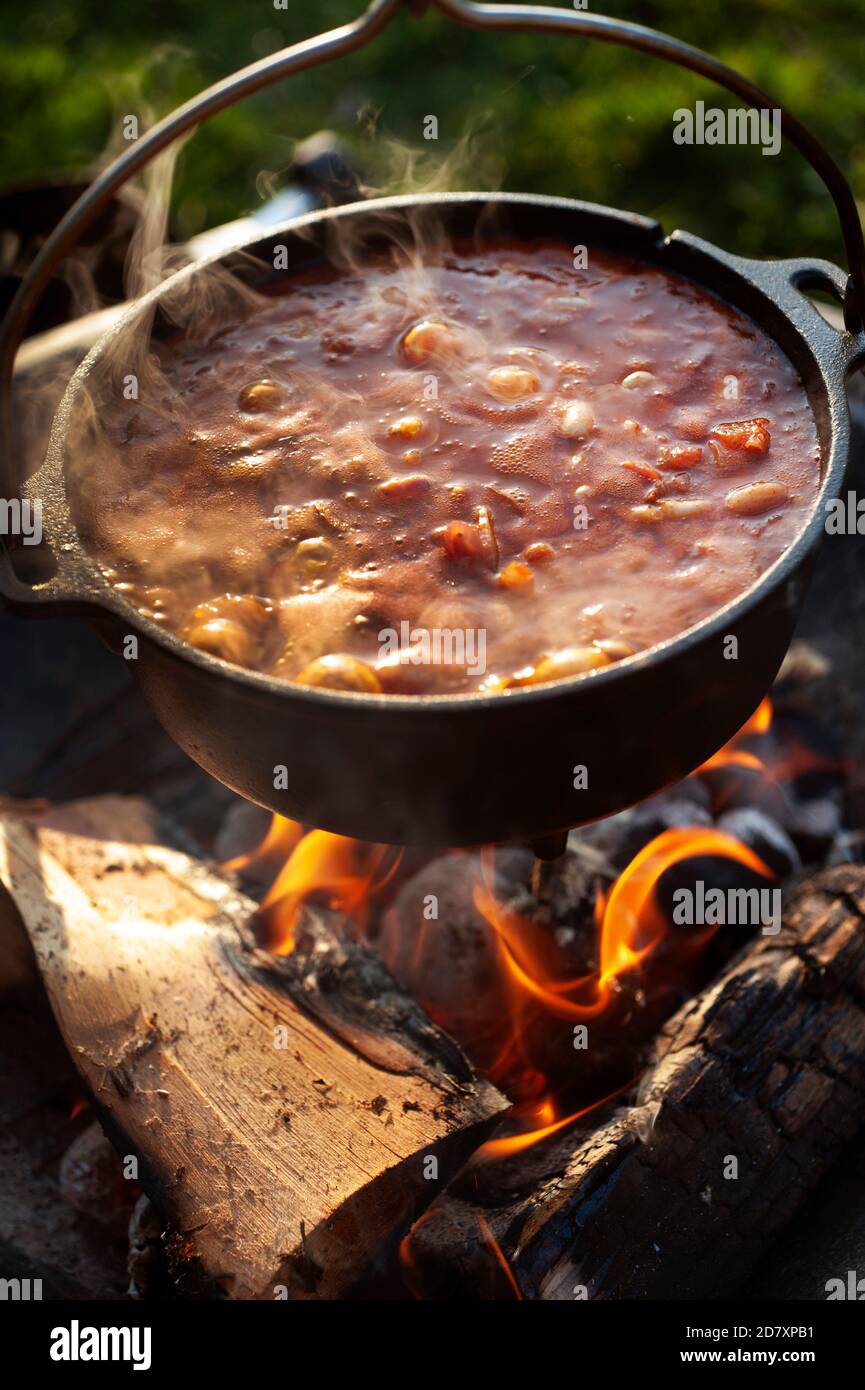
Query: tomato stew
x: 486, y: 470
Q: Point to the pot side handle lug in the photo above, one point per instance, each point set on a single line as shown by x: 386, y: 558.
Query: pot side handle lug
x: 52, y: 586
x: 807, y: 273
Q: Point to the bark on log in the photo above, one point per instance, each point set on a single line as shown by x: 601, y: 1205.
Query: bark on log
x: 766, y: 1067
x: 275, y: 1165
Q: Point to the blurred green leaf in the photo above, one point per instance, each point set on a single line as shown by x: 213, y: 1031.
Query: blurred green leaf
x: 546, y: 114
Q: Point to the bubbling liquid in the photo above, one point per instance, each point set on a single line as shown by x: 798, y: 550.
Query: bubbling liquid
x: 486, y: 472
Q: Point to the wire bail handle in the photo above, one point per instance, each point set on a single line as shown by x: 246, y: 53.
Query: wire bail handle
x: 346, y: 39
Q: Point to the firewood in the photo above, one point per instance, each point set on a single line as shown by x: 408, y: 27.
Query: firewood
x: 283, y: 1112
x: 753, y: 1090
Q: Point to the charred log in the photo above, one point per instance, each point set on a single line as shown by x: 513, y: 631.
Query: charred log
x: 753, y: 1091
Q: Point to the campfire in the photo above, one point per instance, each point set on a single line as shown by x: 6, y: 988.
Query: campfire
x: 333, y: 1068
x: 266, y: 1061
x: 519, y: 961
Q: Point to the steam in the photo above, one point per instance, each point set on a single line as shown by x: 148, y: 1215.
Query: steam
x: 148, y: 259
x: 134, y: 409
x: 182, y: 492
x: 44, y: 365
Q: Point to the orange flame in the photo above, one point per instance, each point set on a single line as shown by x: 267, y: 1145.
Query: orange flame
x: 630, y: 922
x: 778, y: 764
x: 271, y: 854
x: 343, y: 873
x: 544, y: 1114
x: 510, y: 1277
x: 526, y: 966
x: 760, y: 722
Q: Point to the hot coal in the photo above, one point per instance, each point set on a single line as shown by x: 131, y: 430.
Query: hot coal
x: 809, y: 809
x: 735, y: 785
x: 695, y: 883
x: 92, y: 1181
x: 636, y: 828
x: 814, y: 825
x: 443, y: 954
x: 848, y: 848
x: 559, y: 896
x: 693, y: 790
x: 769, y: 840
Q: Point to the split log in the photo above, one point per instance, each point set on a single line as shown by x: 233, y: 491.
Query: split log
x: 282, y: 1111
x: 754, y: 1089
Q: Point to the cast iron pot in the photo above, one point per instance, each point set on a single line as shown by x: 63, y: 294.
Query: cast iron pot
x: 456, y: 770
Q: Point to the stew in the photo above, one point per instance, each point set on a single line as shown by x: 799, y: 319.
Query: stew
x: 482, y: 471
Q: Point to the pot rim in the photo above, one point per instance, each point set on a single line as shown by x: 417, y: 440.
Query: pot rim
x: 779, y: 283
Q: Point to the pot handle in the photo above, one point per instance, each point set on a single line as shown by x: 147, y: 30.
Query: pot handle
x: 21, y: 597
x: 803, y: 274
x: 685, y: 55
x: 60, y: 577
x: 349, y: 37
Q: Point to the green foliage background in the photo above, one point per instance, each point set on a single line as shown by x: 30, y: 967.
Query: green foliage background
x: 549, y: 115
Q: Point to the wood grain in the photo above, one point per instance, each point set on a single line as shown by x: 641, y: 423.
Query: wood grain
x: 276, y: 1166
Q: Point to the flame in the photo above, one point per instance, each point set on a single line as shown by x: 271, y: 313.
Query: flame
x: 546, y: 1124
x: 760, y: 722
x: 281, y: 838
x: 630, y: 922
x: 489, y: 1238
x: 524, y: 964
x: 342, y: 872
x: 782, y: 762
